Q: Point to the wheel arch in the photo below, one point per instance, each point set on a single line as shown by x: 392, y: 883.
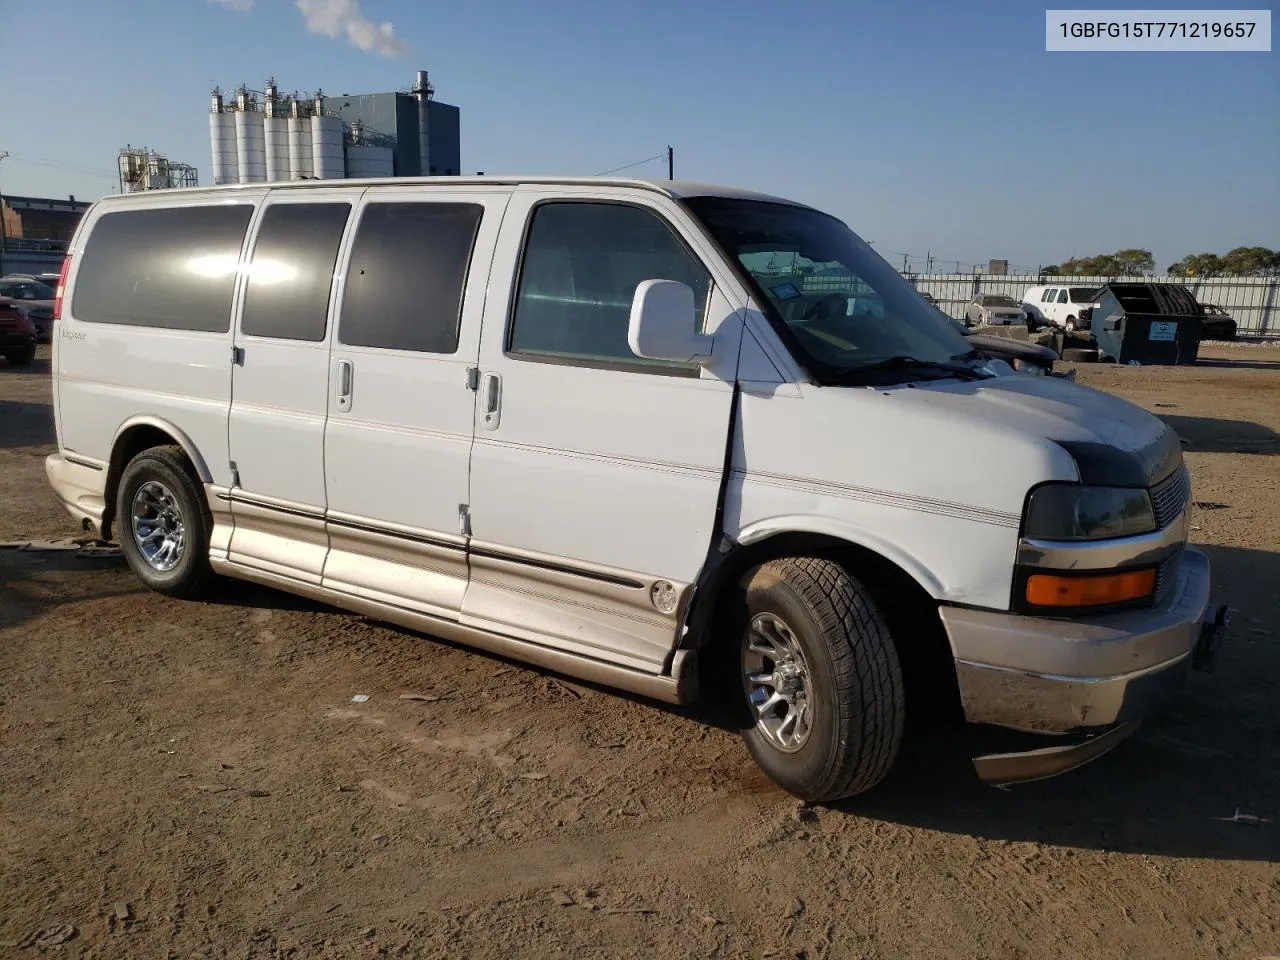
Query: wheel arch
x: 907, y: 591
x: 134, y: 436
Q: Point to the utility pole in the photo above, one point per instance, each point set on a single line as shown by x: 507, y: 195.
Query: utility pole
x: 4, y: 155
x: 671, y: 164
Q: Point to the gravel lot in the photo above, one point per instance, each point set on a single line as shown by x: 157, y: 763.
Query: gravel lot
x: 194, y: 780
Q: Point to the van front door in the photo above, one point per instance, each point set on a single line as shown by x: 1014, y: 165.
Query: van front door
x: 398, y: 439
x: 280, y: 384
x: 595, y: 475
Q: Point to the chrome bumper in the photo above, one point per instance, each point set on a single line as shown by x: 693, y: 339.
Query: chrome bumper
x: 1095, y: 679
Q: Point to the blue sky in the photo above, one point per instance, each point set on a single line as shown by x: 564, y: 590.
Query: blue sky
x: 935, y: 126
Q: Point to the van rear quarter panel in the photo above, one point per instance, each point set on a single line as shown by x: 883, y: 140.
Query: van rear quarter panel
x: 110, y: 375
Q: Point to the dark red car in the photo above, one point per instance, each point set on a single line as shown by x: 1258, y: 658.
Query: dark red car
x: 17, y: 335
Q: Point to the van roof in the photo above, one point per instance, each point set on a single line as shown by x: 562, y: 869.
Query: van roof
x: 678, y: 189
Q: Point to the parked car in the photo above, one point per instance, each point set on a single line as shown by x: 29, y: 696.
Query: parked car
x: 615, y: 428
x: 34, y: 300
x: 1065, y: 307
x: 1218, y: 324
x: 17, y: 335
x: 994, y: 308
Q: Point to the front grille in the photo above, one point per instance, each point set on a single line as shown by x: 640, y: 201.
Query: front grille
x: 1170, y: 497
x: 1167, y: 575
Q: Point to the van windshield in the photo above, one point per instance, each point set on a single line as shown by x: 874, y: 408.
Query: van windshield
x: 838, y: 305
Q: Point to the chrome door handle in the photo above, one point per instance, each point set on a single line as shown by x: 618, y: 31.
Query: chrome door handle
x: 491, y: 398
x: 346, y: 374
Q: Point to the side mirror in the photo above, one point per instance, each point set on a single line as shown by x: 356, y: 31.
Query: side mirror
x: 664, y: 323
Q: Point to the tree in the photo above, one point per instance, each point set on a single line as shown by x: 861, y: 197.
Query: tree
x: 1123, y: 263
x: 1134, y: 262
x: 1251, y: 262
x: 1052, y: 270
x: 1197, y: 265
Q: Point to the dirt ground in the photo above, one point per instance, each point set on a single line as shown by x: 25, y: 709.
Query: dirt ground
x: 195, y: 780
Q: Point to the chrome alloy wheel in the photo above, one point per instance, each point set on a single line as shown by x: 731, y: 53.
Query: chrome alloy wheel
x: 775, y: 676
x: 157, y: 526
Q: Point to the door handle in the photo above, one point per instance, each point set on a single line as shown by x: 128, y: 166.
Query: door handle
x: 491, y: 398
x: 346, y: 374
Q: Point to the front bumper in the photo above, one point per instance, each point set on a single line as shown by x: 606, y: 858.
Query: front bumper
x: 1090, y: 681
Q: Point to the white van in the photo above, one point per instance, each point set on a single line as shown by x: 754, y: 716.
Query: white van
x: 1066, y: 307
x: 635, y: 432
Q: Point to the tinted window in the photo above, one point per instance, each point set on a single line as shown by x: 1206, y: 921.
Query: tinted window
x: 582, y: 264
x: 407, y: 273
x: 1062, y: 296
x: 292, y: 270
x: 173, y: 268
x: 1083, y: 294
x: 1048, y: 295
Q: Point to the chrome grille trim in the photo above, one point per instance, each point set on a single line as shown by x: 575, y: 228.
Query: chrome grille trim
x: 1171, y: 496
x: 1167, y: 575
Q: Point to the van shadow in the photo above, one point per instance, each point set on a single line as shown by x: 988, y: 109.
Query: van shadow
x: 26, y: 424
x: 1216, y: 435
x: 1172, y: 789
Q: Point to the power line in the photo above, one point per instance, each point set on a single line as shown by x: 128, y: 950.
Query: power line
x: 60, y: 164
x: 628, y: 166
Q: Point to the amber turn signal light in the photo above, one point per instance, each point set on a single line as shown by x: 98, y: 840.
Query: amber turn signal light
x: 1046, y: 590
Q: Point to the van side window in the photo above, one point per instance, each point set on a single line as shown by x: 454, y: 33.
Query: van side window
x: 292, y: 270
x: 1048, y: 295
x: 1062, y: 296
x: 405, y: 281
x: 173, y: 268
x: 582, y: 263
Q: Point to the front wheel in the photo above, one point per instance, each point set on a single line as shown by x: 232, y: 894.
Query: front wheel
x: 164, y: 523
x: 821, y: 680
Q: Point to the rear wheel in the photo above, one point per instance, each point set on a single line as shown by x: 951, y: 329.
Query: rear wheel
x: 164, y: 523
x: 820, y: 679
x: 21, y: 357
x: 1071, y: 324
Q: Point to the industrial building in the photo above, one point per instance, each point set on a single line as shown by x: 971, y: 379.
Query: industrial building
x: 35, y: 231
x: 269, y: 136
x: 144, y: 169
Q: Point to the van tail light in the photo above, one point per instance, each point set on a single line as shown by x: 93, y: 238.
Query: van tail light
x: 62, y: 285
x: 1085, y: 314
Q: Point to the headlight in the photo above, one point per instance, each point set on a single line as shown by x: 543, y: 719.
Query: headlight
x: 1068, y: 511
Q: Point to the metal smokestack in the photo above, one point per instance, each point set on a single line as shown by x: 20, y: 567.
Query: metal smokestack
x: 422, y: 90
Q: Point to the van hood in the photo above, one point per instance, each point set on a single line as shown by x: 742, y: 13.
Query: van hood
x: 1113, y: 442
x: 975, y: 445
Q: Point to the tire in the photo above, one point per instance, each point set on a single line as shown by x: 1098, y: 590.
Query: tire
x: 21, y: 357
x: 847, y: 731
x: 173, y: 515
x: 1071, y: 324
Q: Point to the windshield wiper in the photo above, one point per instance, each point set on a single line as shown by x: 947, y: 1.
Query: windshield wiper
x: 902, y: 362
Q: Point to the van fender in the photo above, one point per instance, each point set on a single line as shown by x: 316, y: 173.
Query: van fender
x: 179, y: 437
x: 842, y: 530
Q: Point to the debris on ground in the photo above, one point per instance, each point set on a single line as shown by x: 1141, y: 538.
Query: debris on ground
x: 420, y: 697
x: 360, y: 698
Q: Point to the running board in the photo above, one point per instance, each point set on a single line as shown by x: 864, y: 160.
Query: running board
x: 681, y: 687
